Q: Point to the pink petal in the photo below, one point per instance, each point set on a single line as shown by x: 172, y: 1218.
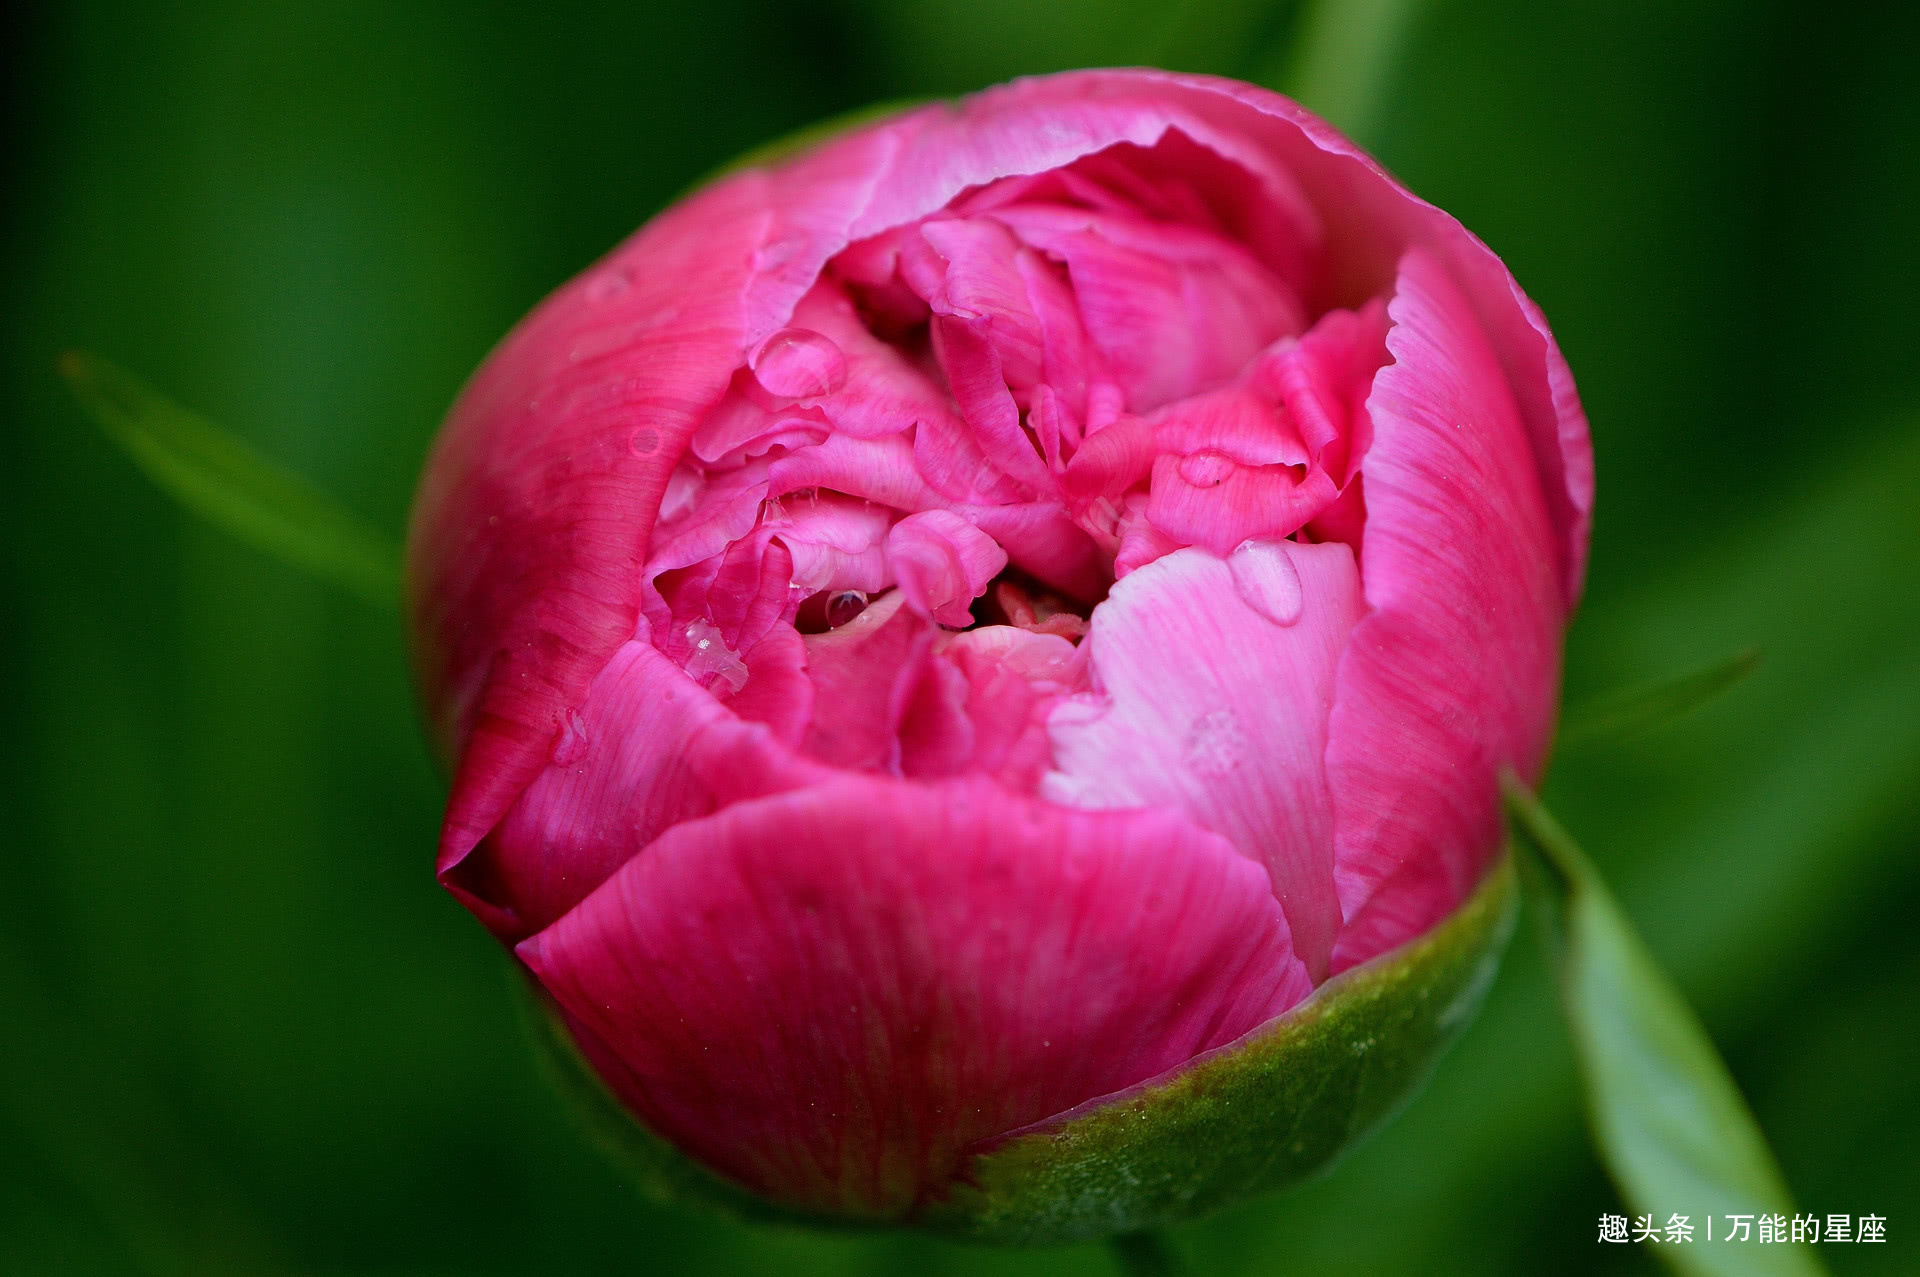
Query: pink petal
x: 837, y: 543
x: 884, y: 393
x: 1249, y: 426
x: 1111, y: 459
x: 1044, y: 542
x: 1171, y: 310
x: 538, y: 507
x: 1225, y: 504
x: 533, y: 520
x: 1455, y: 670
x: 943, y: 563
x: 972, y: 363
x: 647, y: 750
x: 1324, y: 379
x: 861, y: 672
x: 883, y: 471
x: 906, y: 970
x: 1214, y: 681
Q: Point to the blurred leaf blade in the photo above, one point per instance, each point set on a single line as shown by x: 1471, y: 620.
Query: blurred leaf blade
x: 232, y: 486
x: 1671, y: 1126
x: 1343, y: 55
x: 1642, y: 709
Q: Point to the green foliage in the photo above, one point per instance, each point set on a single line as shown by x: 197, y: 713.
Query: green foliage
x: 1669, y: 1122
x: 233, y: 487
x: 1645, y: 708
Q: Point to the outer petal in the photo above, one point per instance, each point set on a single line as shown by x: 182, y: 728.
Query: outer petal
x: 534, y: 517
x: 829, y: 995
x: 1215, y: 682
x: 1455, y: 670
x: 647, y: 749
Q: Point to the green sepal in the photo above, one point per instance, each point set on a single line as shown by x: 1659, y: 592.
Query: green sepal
x: 1273, y: 1110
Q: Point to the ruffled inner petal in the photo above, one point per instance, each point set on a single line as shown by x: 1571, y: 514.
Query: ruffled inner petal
x: 1213, y: 680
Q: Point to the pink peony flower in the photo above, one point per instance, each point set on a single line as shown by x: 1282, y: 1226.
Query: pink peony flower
x: 943, y: 631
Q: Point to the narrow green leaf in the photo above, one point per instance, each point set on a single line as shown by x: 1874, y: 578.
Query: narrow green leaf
x: 1343, y: 56
x: 1669, y: 1122
x: 233, y: 487
x: 1640, y: 709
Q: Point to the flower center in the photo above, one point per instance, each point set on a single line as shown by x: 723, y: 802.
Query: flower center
x: 915, y: 495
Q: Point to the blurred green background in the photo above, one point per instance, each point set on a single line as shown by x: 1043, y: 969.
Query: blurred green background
x: 242, y: 1030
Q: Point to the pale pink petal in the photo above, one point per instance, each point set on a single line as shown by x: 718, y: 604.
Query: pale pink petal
x: 1211, y: 501
x: 829, y: 996
x: 943, y: 563
x: 837, y: 542
x: 1213, y: 682
x: 1454, y: 672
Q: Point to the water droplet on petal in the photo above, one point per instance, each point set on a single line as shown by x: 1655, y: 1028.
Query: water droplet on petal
x: 798, y: 363
x: 710, y: 656
x: 1267, y: 581
x: 608, y: 284
x: 644, y: 442
x: 1215, y: 743
x: 844, y: 606
x: 1206, y: 468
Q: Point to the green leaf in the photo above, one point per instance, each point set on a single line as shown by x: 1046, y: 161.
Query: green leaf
x: 233, y: 487
x: 1342, y: 58
x: 1669, y: 1122
x: 1641, y: 709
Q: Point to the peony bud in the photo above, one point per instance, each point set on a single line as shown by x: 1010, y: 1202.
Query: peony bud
x: 977, y: 656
